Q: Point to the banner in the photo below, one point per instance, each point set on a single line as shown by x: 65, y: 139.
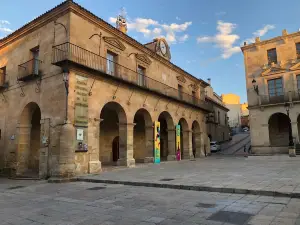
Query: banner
x: 156, y: 142
x: 178, y: 150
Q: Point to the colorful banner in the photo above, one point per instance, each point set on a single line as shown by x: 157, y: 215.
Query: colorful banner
x: 156, y: 142
x: 178, y: 150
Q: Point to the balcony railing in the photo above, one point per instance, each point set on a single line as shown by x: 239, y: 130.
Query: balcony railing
x: 68, y: 52
x: 29, y: 70
x: 270, y: 100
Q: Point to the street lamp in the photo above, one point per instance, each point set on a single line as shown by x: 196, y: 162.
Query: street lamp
x: 287, y: 108
x: 255, y: 86
x: 66, y: 82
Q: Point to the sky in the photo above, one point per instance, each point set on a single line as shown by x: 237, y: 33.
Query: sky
x: 204, y: 35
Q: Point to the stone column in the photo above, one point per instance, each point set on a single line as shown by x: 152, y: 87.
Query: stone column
x: 44, y: 149
x: 171, y: 145
x: 149, y: 139
x: 126, y: 145
x: 197, y: 139
x: 295, y: 132
x: 66, y: 162
x: 94, y: 151
x: 23, y: 149
x: 187, y: 145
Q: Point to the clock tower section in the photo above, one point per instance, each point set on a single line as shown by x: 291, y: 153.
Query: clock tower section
x: 161, y: 47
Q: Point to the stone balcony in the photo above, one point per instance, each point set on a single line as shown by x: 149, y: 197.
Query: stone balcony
x: 68, y: 54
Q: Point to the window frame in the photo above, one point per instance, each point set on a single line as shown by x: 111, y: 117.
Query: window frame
x: 297, y: 52
x: 180, y: 91
x: 2, y: 82
x: 141, y: 76
x: 270, y: 61
x: 113, y: 62
x: 275, y: 88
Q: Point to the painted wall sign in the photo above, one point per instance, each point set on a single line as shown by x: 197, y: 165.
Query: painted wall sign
x: 79, y: 135
x: 156, y: 142
x: 81, y: 102
x: 178, y: 150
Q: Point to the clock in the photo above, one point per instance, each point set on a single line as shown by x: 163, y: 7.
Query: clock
x: 163, y: 47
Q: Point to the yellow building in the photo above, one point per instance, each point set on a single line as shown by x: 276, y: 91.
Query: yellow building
x: 78, y: 94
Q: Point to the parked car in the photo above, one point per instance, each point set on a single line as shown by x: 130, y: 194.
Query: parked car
x: 245, y: 129
x: 214, y: 146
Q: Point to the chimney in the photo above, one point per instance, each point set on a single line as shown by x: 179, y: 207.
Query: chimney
x: 245, y: 43
x: 284, y: 32
x: 257, y: 39
x: 209, y: 81
x: 121, y: 23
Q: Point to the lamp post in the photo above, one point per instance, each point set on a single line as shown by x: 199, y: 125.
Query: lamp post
x: 255, y: 86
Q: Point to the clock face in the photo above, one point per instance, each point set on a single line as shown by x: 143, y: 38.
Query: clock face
x: 163, y: 47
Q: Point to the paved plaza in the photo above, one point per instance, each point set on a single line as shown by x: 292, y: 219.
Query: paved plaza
x: 82, y: 203
x: 263, y: 175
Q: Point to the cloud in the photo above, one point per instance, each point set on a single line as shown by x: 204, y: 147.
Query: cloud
x: 178, y: 18
x: 151, y: 28
x: 221, y: 13
x: 224, y: 39
x: 4, y: 29
x: 261, y: 32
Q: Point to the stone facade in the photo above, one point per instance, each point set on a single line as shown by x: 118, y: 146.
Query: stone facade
x: 272, y: 78
x: 217, y: 121
x: 69, y: 110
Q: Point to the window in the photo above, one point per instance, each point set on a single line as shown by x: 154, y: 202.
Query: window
x: 194, y: 96
x: 2, y: 75
x: 218, y: 117
x: 35, y: 58
x: 141, y: 75
x: 225, y: 121
x: 179, y: 91
x: 111, y: 59
x: 298, y: 82
x: 272, y: 56
x: 298, y: 50
x: 275, y: 87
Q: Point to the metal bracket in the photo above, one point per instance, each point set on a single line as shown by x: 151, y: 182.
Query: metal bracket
x: 177, y: 111
x: 144, y: 105
x: 130, y: 97
x: 114, y: 96
x: 22, y: 91
x: 90, y: 92
x: 155, y: 109
x: 38, y: 84
x: 4, y: 99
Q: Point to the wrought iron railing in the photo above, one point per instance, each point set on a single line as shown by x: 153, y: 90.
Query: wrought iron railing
x: 68, y: 52
x: 29, y: 70
x: 268, y: 100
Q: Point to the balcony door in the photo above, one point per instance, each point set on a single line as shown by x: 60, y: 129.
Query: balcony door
x: 275, y: 90
x: 111, y: 60
x: 35, y: 60
x: 141, y: 76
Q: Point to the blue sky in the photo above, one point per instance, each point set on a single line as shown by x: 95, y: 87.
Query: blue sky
x: 204, y: 35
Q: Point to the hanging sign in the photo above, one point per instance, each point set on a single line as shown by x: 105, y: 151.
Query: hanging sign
x: 178, y: 150
x: 156, y: 142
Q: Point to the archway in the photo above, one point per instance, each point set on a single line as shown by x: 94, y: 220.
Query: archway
x: 28, y: 153
x: 196, y: 139
x: 279, y: 129
x: 113, y: 134
x: 184, y: 138
x: 143, y: 137
x: 167, y: 136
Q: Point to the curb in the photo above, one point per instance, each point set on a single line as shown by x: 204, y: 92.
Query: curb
x: 189, y: 187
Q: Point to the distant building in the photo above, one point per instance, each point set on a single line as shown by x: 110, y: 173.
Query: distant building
x: 217, y: 122
x: 273, y: 86
x: 232, y: 102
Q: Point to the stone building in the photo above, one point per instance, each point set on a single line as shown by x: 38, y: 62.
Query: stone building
x: 216, y: 121
x: 78, y: 94
x: 272, y: 76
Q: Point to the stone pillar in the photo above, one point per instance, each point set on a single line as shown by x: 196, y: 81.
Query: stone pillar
x: 149, y: 139
x: 126, y: 145
x: 295, y: 132
x: 94, y: 151
x: 187, y: 145
x: 66, y: 164
x: 171, y: 145
x: 23, y: 149
x: 197, y: 142
x: 44, y: 149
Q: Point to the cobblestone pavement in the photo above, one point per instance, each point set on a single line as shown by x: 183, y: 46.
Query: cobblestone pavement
x: 100, y: 204
x: 236, y: 145
x: 264, y: 175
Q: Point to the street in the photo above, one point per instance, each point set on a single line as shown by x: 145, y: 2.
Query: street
x: 80, y: 203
